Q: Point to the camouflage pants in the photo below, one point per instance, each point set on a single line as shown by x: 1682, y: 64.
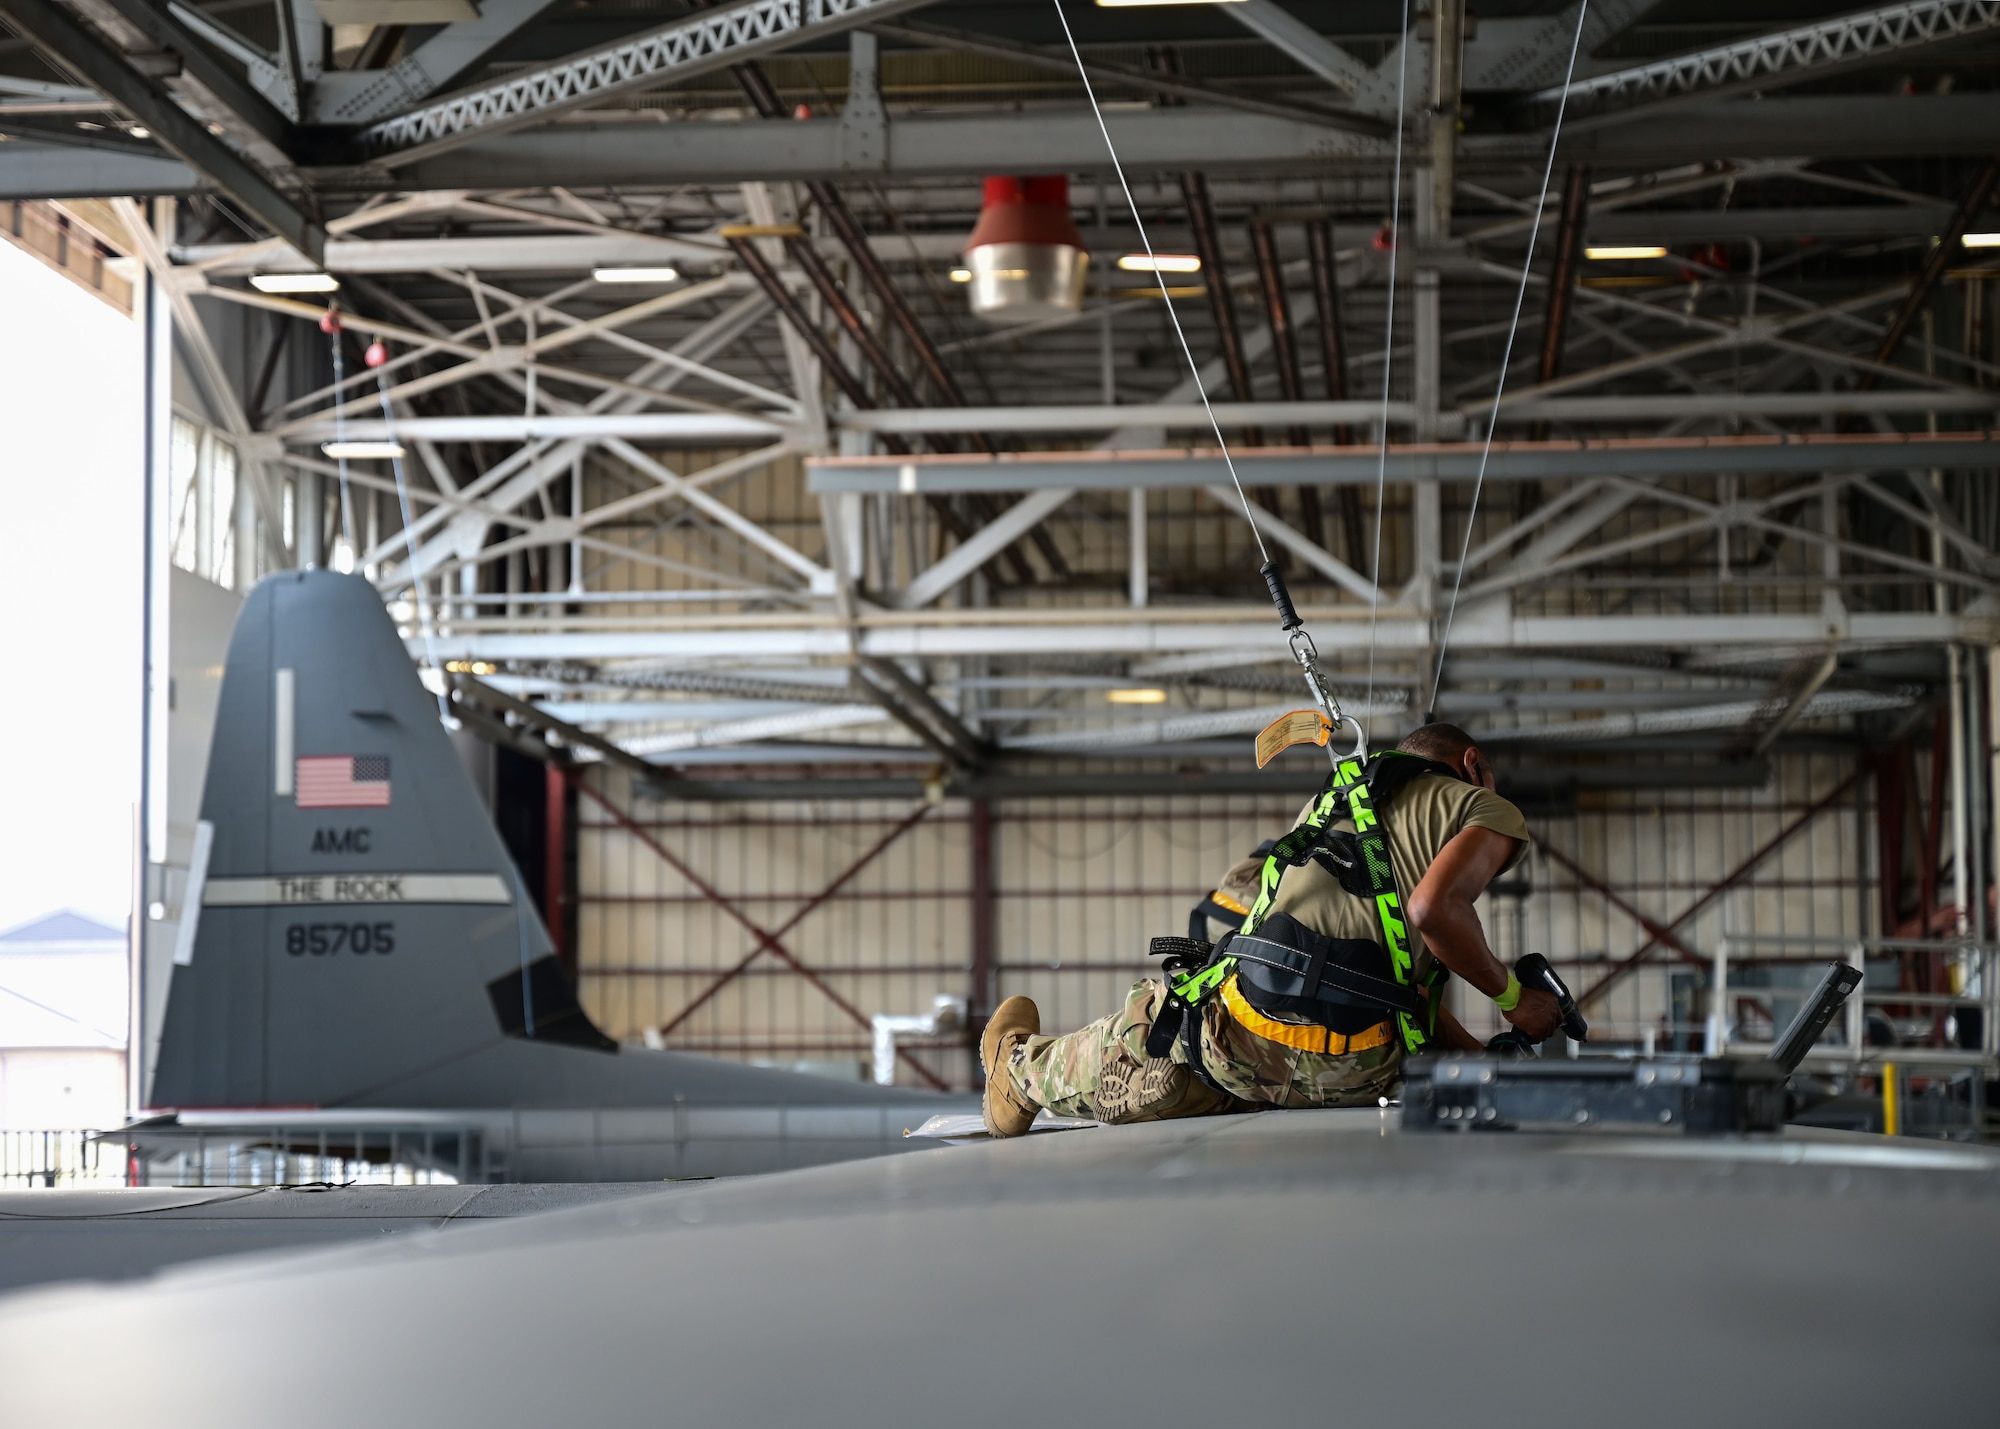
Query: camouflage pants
x: 1102, y: 1071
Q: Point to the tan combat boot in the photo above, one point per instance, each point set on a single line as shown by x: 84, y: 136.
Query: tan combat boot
x: 1008, y: 1112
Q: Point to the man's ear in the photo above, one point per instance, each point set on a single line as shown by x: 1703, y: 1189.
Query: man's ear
x: 1477, y: 769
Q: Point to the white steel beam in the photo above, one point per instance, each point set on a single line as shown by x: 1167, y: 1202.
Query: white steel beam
x: 508, y: 253
x: 982, y: 546
x: 694, y: 45
x: 1156, y: 631
x: 1175, y: 728
x: 1548, y: 510
x: 545, y: 460
x: 560, y: 530
x: 1312, y: 51
x: 1175, y: 416
x: 355, y: 97
x: 1515, y: 54
x: 689, y: 490
x: 1563, y: 536
x: 1729, y: 715
x: 693, y: 428
x: 532, y: 308
x: 1358, y: 465
x: 480, y: 360
x: 1788, y: 56
x: 1669, y: 407
x: 789, y: 724
x: 1311, y: 552
x: 947, y: 146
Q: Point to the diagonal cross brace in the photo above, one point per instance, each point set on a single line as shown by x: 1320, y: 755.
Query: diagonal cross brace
x: 769, y: 939
x: 77, y: 49
x: 1667, y: 934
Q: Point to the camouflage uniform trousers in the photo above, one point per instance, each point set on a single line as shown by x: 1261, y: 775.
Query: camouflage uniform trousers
x: 1102, y: 1071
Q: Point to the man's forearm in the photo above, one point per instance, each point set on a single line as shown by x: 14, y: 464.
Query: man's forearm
x: 1453, y: 933
x: 1441, y: 905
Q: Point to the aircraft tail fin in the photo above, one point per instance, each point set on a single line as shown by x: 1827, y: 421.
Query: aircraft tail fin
x: 360, y: 920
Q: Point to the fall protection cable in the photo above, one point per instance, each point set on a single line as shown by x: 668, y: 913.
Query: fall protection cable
x: 331, y: 325
x: 1303, y: 649
x: 1388, y: 343
x: 1174, y: 317
x: 1507, y: 353
x: 410, y: 545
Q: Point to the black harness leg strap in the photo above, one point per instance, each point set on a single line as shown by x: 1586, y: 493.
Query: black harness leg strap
x: 1166, y: 1026
x: 1191, y: 1043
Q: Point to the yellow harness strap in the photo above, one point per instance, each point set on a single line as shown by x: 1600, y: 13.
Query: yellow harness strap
x: 1306, y: 1038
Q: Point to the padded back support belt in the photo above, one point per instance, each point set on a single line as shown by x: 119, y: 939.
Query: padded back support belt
x: 1342, y: 983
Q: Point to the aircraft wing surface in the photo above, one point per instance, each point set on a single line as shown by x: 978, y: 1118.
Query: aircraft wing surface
x: 1289, y: 1268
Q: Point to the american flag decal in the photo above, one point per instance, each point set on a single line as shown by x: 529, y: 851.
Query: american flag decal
x: 343, y: 781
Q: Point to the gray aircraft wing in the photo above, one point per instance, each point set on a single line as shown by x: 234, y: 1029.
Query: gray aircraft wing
x: 1289, y: 1268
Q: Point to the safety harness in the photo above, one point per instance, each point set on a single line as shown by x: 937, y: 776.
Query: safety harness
x: 1343, y: 987
x: 1221, y: 906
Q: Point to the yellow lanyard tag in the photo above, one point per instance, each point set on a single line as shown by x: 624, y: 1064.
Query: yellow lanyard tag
x: 1298, y: 727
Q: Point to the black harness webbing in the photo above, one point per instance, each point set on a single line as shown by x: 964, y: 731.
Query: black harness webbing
x: 1298, y: 965
x: 1280, y: 965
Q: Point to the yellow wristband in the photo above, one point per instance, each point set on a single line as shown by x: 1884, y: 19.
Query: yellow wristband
x: 1510, y: 996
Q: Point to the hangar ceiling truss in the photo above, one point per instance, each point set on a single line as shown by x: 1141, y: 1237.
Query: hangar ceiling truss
x: 1739, y: 492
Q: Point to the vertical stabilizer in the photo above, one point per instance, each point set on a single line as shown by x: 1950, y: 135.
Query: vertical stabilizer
x: 361, y: 922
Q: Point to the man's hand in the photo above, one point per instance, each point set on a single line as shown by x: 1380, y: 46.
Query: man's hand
x: 1537, y: 1014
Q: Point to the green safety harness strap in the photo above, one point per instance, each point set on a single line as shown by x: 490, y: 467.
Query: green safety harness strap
x: 1360, y: 861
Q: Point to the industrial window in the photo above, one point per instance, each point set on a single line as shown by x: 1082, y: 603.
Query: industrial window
x: 202, y: 474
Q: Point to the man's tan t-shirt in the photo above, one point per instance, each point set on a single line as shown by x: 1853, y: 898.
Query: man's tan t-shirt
x: 1429, y: 812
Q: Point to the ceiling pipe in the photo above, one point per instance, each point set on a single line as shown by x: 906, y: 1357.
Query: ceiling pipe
x: 1562, y: 282
x: 781, y: 298
x: 1215, y: 278
x: 1942, y: 256
x: 1278, y: 317
x: 1333, y: 361
x: 1208, y: 248
x: 1285, y: 357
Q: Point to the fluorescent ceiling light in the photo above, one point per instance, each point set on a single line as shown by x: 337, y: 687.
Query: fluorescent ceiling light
x: 363, y: 451
x: 1136, y: 697
x: 635, y: 275
x: 294, y: 282
x: 961, y: 275
x: 1982, y: 240
x: 1160, y: 263
x: 1122, y: 4
x: 1615, y: 252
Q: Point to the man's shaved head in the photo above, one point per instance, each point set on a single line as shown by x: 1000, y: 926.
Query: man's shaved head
x: 1446, y: 743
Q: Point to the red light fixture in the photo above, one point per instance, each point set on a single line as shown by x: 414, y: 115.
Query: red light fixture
x: 1025, y: 260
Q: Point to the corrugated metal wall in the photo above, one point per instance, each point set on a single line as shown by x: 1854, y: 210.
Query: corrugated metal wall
x: 1079, y: 886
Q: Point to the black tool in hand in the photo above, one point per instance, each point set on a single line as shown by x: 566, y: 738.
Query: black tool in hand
x: 1534, y: 971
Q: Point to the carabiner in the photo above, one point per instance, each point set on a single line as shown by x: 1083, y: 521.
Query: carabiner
x: 1360, y: 750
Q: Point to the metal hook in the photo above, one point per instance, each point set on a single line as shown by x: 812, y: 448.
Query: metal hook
x: 1360, y: 750
x: 1307, y: 654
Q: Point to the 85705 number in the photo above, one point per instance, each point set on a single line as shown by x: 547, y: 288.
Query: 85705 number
x: 329, y: 939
